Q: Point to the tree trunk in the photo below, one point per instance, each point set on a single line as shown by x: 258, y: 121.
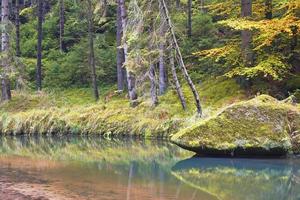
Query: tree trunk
x: 176, y: 82
x: 5, y: 82
x: 61, y: 25
x: 246, y: 35
x: 189, y: 21
x: 268, y: 9
x: 120, y: 51
x: 202, y: 4
x: 39, y: 46
x: 17, y: 22
x: 163, y: 76
x: 153, y: 87
x: 91, y: 51
x: 177, y: 4
x: 130, y: 76
x: 180, y: 59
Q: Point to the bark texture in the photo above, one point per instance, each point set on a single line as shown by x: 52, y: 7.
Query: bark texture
x: 17, y: 23
x: 246, y: 35
x: 130, y: 75
x: 120, y: 51
x: 153, y: 87
x: 163, y: 75
x: 91, y: 51
x: 39, y: 45
x: 5, y: 82
x: 61, y: 25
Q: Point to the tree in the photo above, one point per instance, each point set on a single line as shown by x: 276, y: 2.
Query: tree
x: 163, y: 76
x: 5, y: 82
x: 39, y: 45
x: 61, y: 25
x: 179, y: 56
x: 17, y: 23
x: 189, y: 21
x: 130, y: 75
x: 246, y: 35
x: 120, y: 51
x: 91, y: 49
x: 268, y: 9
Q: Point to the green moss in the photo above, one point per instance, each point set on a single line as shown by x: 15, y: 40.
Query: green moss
x: 261, y: 125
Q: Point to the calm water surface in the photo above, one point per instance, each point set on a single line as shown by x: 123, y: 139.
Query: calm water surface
x: 96, y: 168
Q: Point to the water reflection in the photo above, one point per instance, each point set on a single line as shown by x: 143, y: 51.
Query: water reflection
x: 252, y: 179
x: 97, y: 168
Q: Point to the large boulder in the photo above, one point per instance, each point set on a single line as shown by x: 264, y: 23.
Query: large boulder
x: 261, y: 126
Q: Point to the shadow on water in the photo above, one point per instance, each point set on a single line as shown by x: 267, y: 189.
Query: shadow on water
x: 241, y: 178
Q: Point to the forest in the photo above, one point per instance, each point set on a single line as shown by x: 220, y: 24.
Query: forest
x: 152, y: 68
x: 150, y: 99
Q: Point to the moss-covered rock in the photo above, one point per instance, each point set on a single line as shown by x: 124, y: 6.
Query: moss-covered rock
x: 261, y: 126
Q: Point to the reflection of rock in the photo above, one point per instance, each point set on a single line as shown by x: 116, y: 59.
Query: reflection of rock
x: 235, y: 179
x: 261, y: 126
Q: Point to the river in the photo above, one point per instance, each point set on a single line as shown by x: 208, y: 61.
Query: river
x: 70, y: 167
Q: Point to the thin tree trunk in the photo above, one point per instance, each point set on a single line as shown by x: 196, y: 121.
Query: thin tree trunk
x: 177, y: 4
x: 91, y: 51
x: 269, y: 8
x: 120, y: 51
x: 61, y: 25
x: 246, y: 35
x: 180, y: 59
x: 163, y: 76
x: 5, y: 82
x: 189, y: 21
x: 130, y: 75
x: 39, y: 46
x: 153, y: 87
x: 17, y: 22
x: 202, y: 4
x: 176, y: 82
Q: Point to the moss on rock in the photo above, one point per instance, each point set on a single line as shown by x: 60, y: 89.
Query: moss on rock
x: 261, y: 126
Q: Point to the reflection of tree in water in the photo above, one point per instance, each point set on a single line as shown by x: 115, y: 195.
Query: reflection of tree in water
x: 242, y: 178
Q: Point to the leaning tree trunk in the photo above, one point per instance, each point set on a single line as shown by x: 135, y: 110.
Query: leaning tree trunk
x: 91, y: 51
x: 39, y: 46
x: 130, y: 75
x: 61, y: 25
x: 17, y: 23
x: 180, y: 58
x: 246, y: 35
x: 163, y: 76
x: 120, y: 51
x: 153, y: 87
x: 176, y: 82
x: 189, y: 21
x: 5, y: 82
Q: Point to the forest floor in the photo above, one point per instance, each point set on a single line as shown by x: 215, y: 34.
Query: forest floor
x: 75, y: 111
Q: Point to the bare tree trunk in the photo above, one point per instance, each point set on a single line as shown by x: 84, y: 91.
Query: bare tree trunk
x: 246, y: 35
x: 153, y: 88
x: 180, y: 59
x: 189, y: 21
x: 120, y: 51
x: 17, y: 22
x: 39, y: 46
x: 176, y: 82
x: 269, y: 8
x: 177, y: 4
x: 61, y: 25
x: 5, y: 82
x: 130, y: 76
x: 91, y: 50
x: 202, y: 4
x: 163, y: 76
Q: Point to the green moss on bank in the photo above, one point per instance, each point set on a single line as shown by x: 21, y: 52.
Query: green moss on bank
x: 75, y: 111
x: 262, y: 125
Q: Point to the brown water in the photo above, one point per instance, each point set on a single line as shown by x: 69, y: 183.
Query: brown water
x: 94, y: 168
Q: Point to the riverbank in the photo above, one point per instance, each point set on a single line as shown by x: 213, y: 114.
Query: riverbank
x: 74, y: 111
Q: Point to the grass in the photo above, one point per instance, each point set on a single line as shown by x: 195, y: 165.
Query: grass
x: 75, y: 111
